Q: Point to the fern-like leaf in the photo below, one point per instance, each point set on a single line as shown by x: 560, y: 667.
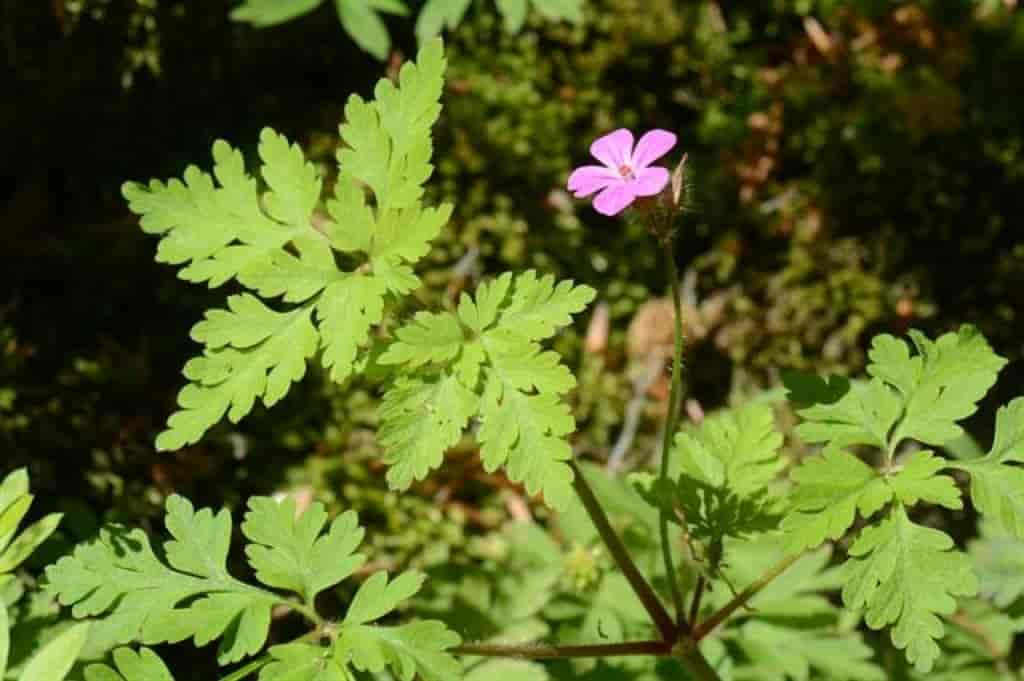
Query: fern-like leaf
x: 907, y: 575
x: 495, y: 369
x: 129, y: 665
x: 720, y: 474
x: 997, y: 479
x: 830, y: 489
x: 118, y: 577
x: 421, y: 419
x: 220, y: 227
x: 940, y: 385
x: 288, y: 551
x: 136, y: 595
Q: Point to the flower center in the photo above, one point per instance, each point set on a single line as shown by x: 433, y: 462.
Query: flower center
x: 626, y: 172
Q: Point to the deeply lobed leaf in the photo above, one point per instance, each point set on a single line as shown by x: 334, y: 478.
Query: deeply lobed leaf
x: 907, y: 575
x: 220, y: 227
x: 420, y: 420
x: 129, y: 665
x: 721, y: 472
x: 997, y: 479
x: 737, y: 449
x: 941, y: 384
x: 526, y: 433
x: 523, y: 420
x: 118, y: 577
x: 830, y: 489
x: 917, y: 396
x: 289, y: 551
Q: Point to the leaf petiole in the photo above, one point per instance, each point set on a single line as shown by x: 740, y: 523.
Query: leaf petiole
x: 741, y: 599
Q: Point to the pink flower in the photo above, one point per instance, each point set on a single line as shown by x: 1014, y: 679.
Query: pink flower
x: 626, y: 173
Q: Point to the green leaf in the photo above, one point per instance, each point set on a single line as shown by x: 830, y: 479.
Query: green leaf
x: 568, y: 10
x: 405, y: 235
x: 222, y: 231
x: 262, y: 13
x: 396, y: 7
x: 480, y: 311
x: 230, y: 379
x: 293, y: 182
x: 55, y: 660
x: 119, y: 578
x: 864, y: 415
x: 304, y: 662
x: 918, y: 480
x: 526, y: 433
x: 722, y: 470
x: 830, y: 489
x: 420, y: 420
x: 346, y: 311
x: 430, y: 337
x: 538, y: 307
x: 737, y: 449
x: 507, y: 670
x: 526, y: 368
x: 5, y: 638
x: 778, y: 653
x: 439, y: 15
x: 289, y: 551
x: 998, y: 558
x: 220, y: 227
x: 907, y: 575
x: 11, y: 517
x: 144, y: 665
x: 806, y: 389
x: 797, y: 598
x: 997, y: 483
x: 1008, y: 444
x: 377, y: 597
x: 513, y: 13
x: 523, y: 419
x: 364, y: 26
x: 13, y: 487
x: 940, y: 385
x: 389, y: 149
x: 27, y: 542
x: 409, y: 649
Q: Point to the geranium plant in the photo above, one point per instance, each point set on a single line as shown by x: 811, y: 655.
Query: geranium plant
x: 726, y: 524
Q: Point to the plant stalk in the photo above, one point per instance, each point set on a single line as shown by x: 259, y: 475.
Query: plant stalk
x: 743, y: 597
x: 659, y: 615
x: 698, y: 593
x: 696, y: 663
x: 671, y: 423
x: 549, y: 652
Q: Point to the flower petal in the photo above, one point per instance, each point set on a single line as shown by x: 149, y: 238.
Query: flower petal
x: 652, y: 146
x: 612, y: 200
x: 586, y: 180
x: 649, y: 181
x: 614, y: 149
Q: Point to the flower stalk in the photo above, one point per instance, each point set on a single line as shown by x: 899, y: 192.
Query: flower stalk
x: 672, y: 422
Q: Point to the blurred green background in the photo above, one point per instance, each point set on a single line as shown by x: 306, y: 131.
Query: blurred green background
x: 854, y: 168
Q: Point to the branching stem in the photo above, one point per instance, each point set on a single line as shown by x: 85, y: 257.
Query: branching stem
x: 743, y: 597
x: 659, y: 615
x: 698, y: 593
